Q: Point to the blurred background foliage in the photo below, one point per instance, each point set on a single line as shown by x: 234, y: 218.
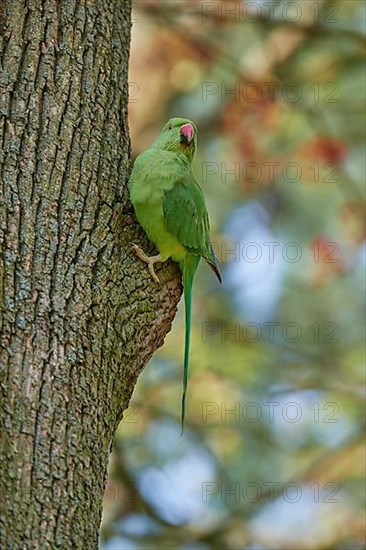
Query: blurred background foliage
x: 273, y: 453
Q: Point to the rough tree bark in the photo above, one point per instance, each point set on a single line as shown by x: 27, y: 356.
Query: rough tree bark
x: 79, y: 314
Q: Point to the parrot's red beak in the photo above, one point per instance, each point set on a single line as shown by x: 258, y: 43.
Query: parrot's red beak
x: 186, y: 134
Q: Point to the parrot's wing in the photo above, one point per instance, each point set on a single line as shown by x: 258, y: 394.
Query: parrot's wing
x: 186, y: 218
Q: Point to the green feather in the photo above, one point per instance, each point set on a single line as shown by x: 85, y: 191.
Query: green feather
x: 170, y: 206
x: 189, y: 270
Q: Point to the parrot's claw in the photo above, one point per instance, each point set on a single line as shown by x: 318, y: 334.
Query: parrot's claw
x: 149, y: 260
x: 152, y: 273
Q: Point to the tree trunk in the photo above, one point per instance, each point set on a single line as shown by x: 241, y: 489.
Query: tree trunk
x: 80, y: 316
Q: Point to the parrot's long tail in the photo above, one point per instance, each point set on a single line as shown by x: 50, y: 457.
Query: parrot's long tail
x: 189, y: 269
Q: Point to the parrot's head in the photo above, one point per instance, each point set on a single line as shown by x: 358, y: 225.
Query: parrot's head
x: 180, y: 136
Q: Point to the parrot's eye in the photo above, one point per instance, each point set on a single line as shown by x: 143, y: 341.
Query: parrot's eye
x: 170, y: 126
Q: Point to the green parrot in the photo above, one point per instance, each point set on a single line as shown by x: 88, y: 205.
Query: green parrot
x: 170, y: 206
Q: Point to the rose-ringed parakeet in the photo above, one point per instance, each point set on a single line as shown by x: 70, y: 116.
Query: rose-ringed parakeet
x: 170, y: 206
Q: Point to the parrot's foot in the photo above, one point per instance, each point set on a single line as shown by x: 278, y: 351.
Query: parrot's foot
x: 149, y: 260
